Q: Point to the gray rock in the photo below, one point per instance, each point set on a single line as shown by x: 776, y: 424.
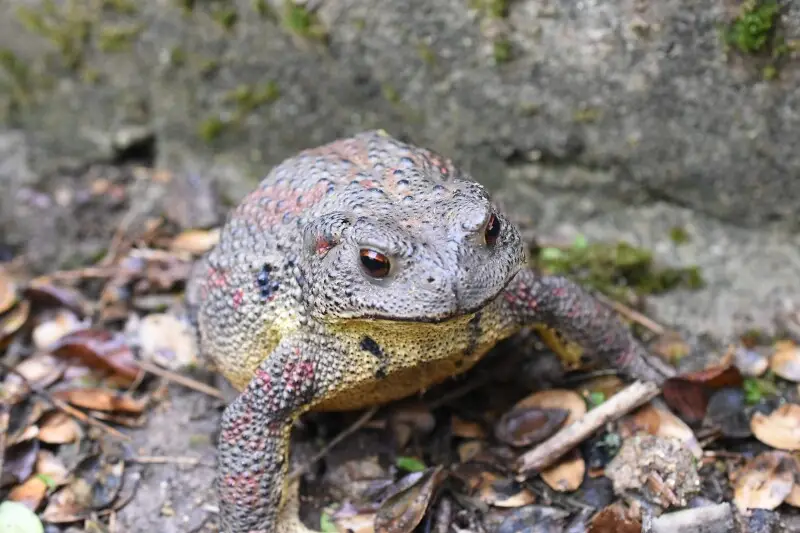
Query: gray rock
x: 643, y: 88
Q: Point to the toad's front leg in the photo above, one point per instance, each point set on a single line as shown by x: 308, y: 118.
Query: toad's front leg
x: 566, y: 307
x: 254, y: 443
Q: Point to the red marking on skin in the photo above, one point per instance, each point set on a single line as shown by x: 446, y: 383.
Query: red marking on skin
x: 236, y: 427
x: 237, y: 489
x: 217, y: 278
x: 238, y: 297
x: 264, y: 379
x: 284, y: 199
x: 369, y: 184
x: 322, y: 246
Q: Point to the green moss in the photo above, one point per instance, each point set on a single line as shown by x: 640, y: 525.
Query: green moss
x: 426, y: 54
x: 225, y: 16
x: 187, y: 6
x: 300, y: 21
x: 263, y: 10
x: 501, y: 50
x: 587, y: 115
x: 19, y: 76
x: 177, y: 56
x: 491, y: 8
x: 754, y: 28
x: 123, y: 7
x: 117, y: 38
x: 209, y: 67
x: 248, y: 97
x: 390, y: 94
x: 770, y: 72
x: 359, y: 24
x: 211, y: 128
x: 67, y: 28
x: 679, y: 235
x: 620, y: 270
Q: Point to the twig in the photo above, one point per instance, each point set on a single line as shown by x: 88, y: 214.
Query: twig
x: 4, y: 418
x: 355, y: 426
x: 548, y: 452
x: 65, y: 407
x: 631, y: 314
x: 187, y: 382
x: 165, y: 459
x: 709, y: 519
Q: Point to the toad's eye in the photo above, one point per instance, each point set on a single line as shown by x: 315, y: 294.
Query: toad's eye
x: 492, y: 230
x: 375, y: 263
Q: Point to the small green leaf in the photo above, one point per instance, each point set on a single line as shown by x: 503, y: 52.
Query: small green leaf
x: 17, y: 518
x: 326, y: 524
x: 411, y: 464
x: 580, y: 242
x: 551, y: 254
x: 596, y: 398
x: 49, y: 481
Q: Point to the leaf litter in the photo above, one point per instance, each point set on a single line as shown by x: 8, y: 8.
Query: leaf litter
x: 80, y: 351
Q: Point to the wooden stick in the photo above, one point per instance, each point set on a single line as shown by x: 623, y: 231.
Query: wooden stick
x: 548, y: 452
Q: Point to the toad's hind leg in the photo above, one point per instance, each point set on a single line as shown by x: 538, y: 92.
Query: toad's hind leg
x: 254, y: 444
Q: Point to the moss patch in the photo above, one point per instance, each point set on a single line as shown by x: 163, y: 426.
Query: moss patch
x: 303, y: 22
x: 619, y: 270
x: 754, y: 28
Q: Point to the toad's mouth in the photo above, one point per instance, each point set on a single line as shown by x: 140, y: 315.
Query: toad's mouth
x: 457, y: 313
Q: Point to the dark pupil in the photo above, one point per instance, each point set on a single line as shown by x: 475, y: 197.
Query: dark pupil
x: 492, y: 230
x: 375, y: 263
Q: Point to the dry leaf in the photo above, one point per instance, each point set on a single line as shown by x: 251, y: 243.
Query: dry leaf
x: 195, y: 241
x: 567, y: 474
x: 31, y: 493
x: 102, y: 350
x: 614, y: 519
x: 8, y: 291
x: 58, y: 428
x: 103, y: 400
x: 689, y: 393
x: 750, y: 362
x: 469, y: 450
x: 557, y: 399
x: 13, y: 320
x: 502, y: 492
x: 780, y: 429
x: 167, y: 341
x: 403, y: 510
x: 660, y: 422
x: 466, y: 429
x: 785, y: 362
x: 48, y: 332
x: 524, y: 426
x: 764, y: 482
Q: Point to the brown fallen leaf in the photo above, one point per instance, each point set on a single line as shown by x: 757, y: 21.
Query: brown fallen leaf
x: 103, y: 400
x: 167, y: 341
x: 403, y: 510
x: 614, y: 519
x: 8, y: 291
x: 469, y: 450
x: 785, y: 362
x: 43, y: 293
x: 557, y: 399
x: 101, y: 350
x: 47, y: 332
x: 31, y: 493
x: 12, y: 321
x: 466, y: 429
x: 567, y: 474
x: 780, y: 429
x: 195, y: 241
x: 58, y: 428
x: 689, y: 394
x: 502, y: 492
x: 764, y: 482
x: 658, y: 421
x: 525, y: 426
x: 670, y: 346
